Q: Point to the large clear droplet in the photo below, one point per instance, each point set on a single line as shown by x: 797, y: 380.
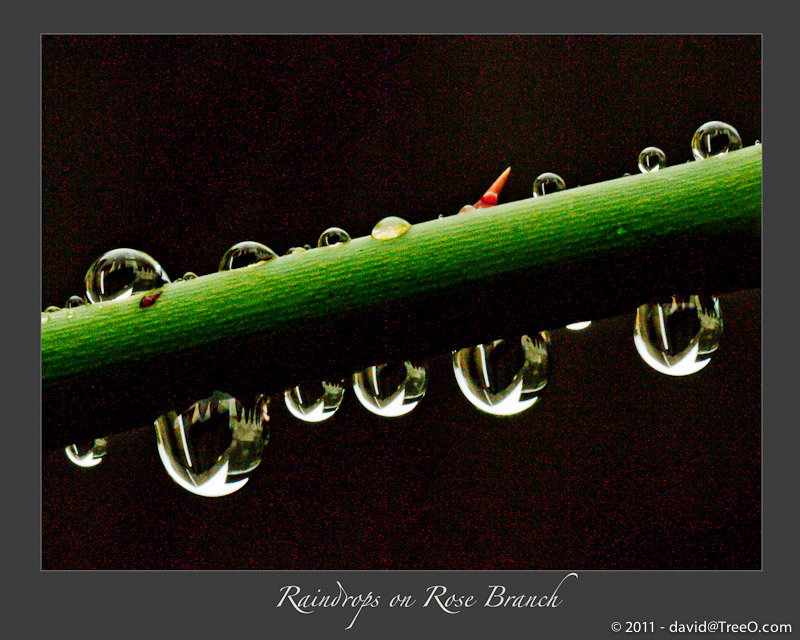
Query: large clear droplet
x: 715, y: 139
x: 504, y: 377
x: 213, y: 447
x: 333, y: 236
x: 314, y: 402
x: 120, y: 273
x: 246, y: 254
x: 392, y: 389
x: 548, y: 183
x: 88, y: 454
x: 652, y: 159
x: 391, y: 227
x: 677, y: 337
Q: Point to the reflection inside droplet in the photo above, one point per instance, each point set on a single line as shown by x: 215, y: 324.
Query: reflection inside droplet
x: 120, y: 273
x: 245, y: 254
x: 677, y: 337
x: 75, y: 301
x: 333, y: 236
x: 715, y: 139
x: 578, y: 326
x: 88, y: 454
x: 504, y: 377
x: 391, y: 227
x: 212, y: 448
x: 314, y: 402
x: 392, y: 389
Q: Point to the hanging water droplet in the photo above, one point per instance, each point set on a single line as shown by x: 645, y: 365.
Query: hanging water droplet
x: 213, y: 447
x: 74, y: 301
x: 88, y: 454
x: 391, y: 227
x: 503, y: 377
x: 652, y: 159
x: 715, y: 139
x: 314, y: 402
x: 246, y: 254
x: 578, y: 326
x: 392, y: 389
x: 677, y: 337
x: 548, y: 183
x: 333, y: 236
x: 120, y: 273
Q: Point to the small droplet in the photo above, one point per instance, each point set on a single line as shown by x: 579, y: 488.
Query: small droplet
x: 52, y: 308
x: 87, y: 455
x: 391, y: 227
x: 150, y: 299
x: 75, y: 301
x: 715, y: 139
x: 246, y: 254
x: 189, y: 275
x: 677, y: 337
x: 333, y: 236
x: 314, y: 402
x: 391, y: 390
x: 120, y: 273
x: 758, y: 142
x: 548, y: 183
x: 578, y: 326
x: 213, y: 447
x: 503, y: 377
x: 652, y: 159
x: 467, y: 208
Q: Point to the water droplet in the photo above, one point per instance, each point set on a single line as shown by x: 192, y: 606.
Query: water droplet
x: 88, y: 454
x: 52, y: 308
x: 758, y: 142
x: 392, y: 389
x: 652, y: 159
x: 715, y: 139
x: 548, y: 183
x: 120, y: 273
x: 467, y: 208
x: 213, y: 447
x: 189, y: 275
x: 314, y: 402
x: 677, y: 337
x: 391, y: 227
x: 578, y: 326
x: 246, y: 254
x: 74, y: 301
x: 333, y: 236
x: 503, y: 377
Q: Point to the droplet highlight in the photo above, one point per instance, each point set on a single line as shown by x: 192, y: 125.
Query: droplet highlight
x: 677, y: 337
x: 715, y: 139
x: 391, y: 390
x: 548, y: 183
x: 314, y: 402
x: 579, y: 326
x: 88, y: 454
x: 391, y: 227
x: 332, y: 237
x: 213, y: 447
x: 245, y: 254
x: 652, y: 159
x: 504, y: 377
x: 120, y: 273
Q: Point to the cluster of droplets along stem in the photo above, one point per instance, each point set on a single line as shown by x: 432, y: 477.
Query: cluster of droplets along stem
x: 213, y: 447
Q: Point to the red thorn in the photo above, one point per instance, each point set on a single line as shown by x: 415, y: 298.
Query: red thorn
x: 149, y: 300
x: 489, y: 199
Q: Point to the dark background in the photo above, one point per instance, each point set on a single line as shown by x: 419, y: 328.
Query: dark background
x: 183, y: 146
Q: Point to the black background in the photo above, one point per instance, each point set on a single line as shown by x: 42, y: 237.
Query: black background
x: 183, y: 146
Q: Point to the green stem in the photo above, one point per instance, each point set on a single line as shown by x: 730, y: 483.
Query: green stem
x: 536, y: 264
